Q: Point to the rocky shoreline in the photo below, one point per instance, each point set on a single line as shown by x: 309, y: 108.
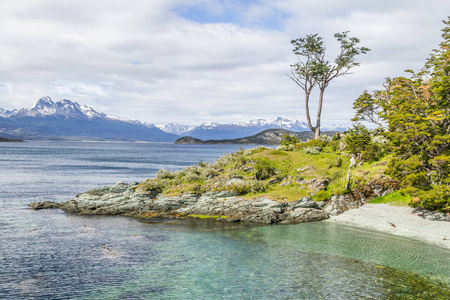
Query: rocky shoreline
x: 125, y: 200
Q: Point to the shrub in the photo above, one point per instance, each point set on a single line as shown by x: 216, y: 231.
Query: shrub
x: 154, y: 185
x: 313, y: 150
x: 247, y: 186
x: 314, y: 143
x: 437, y: 198
x: 165, y: 174
x: 289, y: 140
x: 357, y: 138
x: 410, y: 171
x: 372, y: 152
x: 263, y: 169
x: 325, y: 139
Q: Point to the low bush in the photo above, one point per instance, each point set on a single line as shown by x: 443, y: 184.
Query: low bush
x: 263, y: 168
x: 437, y: 198
x: 288, y: 140
x: 313, y: 150
x: 247, y: 186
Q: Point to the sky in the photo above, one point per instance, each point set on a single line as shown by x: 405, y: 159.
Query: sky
x: 201, y: 61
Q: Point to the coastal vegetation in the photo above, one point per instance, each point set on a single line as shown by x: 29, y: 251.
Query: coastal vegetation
x: 409, y: 151
x: 316, y: 169
x: 415, y: 110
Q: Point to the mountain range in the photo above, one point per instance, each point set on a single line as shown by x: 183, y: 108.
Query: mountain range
x: 216, y: 131
x: 69, y: 120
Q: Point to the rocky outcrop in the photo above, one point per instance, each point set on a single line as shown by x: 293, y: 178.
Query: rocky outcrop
x: 127, y: 200
x: 123, y: 199
x: 431, y: 215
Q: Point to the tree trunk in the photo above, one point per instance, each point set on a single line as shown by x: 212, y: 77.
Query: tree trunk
x: 308, y: 118
x: 319, y: 112
x: 317, y: 132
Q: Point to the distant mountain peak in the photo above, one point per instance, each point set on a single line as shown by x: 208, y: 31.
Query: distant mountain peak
x: 43, y: 103
x: 66, y: 118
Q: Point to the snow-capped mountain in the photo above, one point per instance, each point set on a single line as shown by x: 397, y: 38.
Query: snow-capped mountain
x: 235, y: 130
x: 64, y: 108
x: 69, y: 119
x: 279, y: 122
x: 175, y: 128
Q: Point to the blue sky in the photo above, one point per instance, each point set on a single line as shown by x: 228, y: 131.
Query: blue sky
x: 250, y: 14
x: 195, y: 61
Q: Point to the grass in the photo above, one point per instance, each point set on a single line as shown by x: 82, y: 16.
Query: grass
x: 276, y: 174
x: 395, y: 198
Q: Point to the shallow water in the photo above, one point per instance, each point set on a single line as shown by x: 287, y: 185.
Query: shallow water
x: 48, y: 254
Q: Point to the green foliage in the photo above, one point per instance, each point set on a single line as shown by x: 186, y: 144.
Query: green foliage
x: 410, y: 171
x: 357, y: 138
x: 437, y: 198
x: 417, y: 111
x: 243, y: 187
x: 310, y: 144
x: 367, y: 109
x: 372, y: 152
x: 263, y: 168
x: 289, y: 140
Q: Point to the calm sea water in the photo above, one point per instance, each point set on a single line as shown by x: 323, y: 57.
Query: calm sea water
x: 49, y: 254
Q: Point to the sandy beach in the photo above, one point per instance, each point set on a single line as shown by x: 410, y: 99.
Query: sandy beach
x: 398, y: 221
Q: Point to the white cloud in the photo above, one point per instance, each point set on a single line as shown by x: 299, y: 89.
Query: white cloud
x: 162, y: 61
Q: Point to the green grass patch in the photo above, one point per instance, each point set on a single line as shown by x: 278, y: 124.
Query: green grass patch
x: 394, y: 198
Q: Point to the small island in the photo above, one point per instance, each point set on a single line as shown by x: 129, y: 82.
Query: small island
x: 5, y: 140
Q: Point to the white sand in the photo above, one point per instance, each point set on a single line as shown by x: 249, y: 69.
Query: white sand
x: 398, y: 221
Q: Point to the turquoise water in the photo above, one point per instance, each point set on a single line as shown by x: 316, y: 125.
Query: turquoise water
x: 48, y: 254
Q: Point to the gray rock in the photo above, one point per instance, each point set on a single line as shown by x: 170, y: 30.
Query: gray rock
x: 302, y: 215
x: 431, y: 215
x: 306, y: 202
x: 340, y: 203
x: 124, y: 199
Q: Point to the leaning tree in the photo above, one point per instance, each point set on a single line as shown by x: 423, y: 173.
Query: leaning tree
x: 313, y: 69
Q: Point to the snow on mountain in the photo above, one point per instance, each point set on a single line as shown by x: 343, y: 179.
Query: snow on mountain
x: 5, y: 113
x: 241, y: 129
x: 256, y: 124
x: 64, y: 108
x: 69, y: 119
x: 175, y: 128
x: 279, y: 122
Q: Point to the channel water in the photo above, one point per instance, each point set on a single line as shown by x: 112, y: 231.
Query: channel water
x: 49, y: 254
